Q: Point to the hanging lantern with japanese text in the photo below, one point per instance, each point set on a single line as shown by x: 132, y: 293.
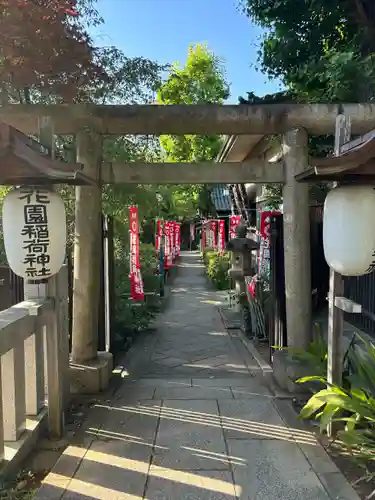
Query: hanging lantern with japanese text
x: 34, y: 227
x: 349, y: 230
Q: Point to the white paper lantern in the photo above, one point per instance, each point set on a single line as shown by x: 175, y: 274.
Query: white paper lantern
x: 34, y: 227
x: 349, y: 230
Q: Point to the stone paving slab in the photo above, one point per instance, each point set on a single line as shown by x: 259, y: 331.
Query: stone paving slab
x: 190, y: 436
x: 246, y: 392
x: 274, y: 470
x: 220, y: 382
x: 253, y: 418
x: 126, y: 419
x: 194, y: 420
x: 156, y: 382
x: 205, y: 393
x: 202, y: 485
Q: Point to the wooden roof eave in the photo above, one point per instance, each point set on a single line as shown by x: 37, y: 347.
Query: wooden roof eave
x: 30, y: 165
x: 351, y: 164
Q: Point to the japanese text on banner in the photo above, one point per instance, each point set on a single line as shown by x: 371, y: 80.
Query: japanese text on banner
x: 158, y: 234
x: 214, y: 234
x: 265, y: 242
x: 204, y: 235
x: 136, y: 282
x: 172, y: 238
x: 168, y: 246
x: 221, y: 235
x: 178, y: 238
x: 234, y: 220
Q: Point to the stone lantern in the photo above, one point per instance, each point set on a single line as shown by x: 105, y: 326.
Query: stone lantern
x: 242, y: 262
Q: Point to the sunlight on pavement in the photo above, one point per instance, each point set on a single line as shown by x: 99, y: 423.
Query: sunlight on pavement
x: 89, y: 490
x: 99, y: 492
x: 258, y: 429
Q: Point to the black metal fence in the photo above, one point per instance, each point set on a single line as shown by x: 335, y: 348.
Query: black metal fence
x: 361, y: 289
x: 319, y: 274
x: 11, y: 288
x: 107, y: 288
x: 276, y: 320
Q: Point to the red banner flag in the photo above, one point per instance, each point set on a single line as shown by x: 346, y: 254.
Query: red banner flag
x: 214, y: 234
x: 158, y: 234
x: 192, y: 231
x: 136, y: 282
x: 265, y: 240
x: 234, y: 220
x: 178, y: 238
x: 168, y: 246
x: 221, y: 235
x: 204, y: 235
x: 208, y: 234
x: 172, y: 229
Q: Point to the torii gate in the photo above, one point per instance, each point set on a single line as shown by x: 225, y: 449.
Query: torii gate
x: 91, y: 122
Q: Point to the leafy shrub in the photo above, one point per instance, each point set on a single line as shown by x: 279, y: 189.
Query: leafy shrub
x: 131, y: 318
x: 217, y: 267
x: 315, y: 356
x: 352, y: 404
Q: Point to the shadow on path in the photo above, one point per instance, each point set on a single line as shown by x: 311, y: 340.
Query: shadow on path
x: 192, y: 419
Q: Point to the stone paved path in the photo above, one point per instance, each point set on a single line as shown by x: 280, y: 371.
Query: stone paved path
x: 193, y: 419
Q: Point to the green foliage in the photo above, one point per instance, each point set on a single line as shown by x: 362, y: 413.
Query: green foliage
x: 352, y: 406
x: 131, y: 318
x: 322, y: 50
x: 217, y: 267
x: 201, y: 81
x: 315, y: 356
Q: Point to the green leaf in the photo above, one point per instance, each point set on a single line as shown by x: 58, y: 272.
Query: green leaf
x: 328, y: 416
x: 312, y: 406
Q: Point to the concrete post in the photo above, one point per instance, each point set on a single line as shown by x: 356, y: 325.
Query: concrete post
x: 297, y: 240
x: 87, y: 251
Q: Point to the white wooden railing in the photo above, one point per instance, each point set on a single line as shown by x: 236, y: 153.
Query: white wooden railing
x: 34, y: 356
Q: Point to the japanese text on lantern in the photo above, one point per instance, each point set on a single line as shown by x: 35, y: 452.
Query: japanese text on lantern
x: 35, y: 232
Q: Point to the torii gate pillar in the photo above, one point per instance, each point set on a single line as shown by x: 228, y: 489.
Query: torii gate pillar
x: 297, y: 241
x: 90, y: 370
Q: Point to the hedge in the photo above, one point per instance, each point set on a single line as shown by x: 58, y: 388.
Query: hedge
x: 217, y: 266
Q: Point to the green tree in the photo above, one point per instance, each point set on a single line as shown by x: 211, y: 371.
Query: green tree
x: 322, y: 50
x: 201, y: 80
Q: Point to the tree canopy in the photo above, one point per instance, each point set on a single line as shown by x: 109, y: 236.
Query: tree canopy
x: 322, y: 50
x: 201, y: 80
x: 44, y: 45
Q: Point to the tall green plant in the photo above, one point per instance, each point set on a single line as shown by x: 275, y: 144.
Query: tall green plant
x: 352, y: 406
x: 217, y: 267
x: 315, y: 356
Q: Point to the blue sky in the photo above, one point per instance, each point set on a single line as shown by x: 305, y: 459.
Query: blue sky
x: 162, y: 30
